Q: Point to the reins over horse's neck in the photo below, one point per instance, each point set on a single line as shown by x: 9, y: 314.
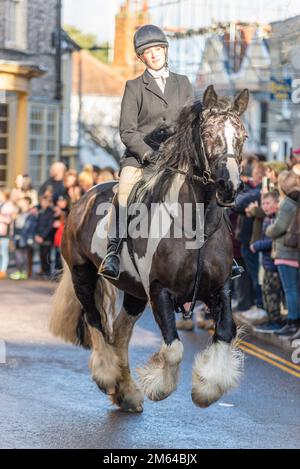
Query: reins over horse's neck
x: 202, y: 163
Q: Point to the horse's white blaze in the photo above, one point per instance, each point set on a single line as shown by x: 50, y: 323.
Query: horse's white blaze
x: 216, y: 370
x: 231, y: 164
x: 234, y: 174
x: 229, y: 134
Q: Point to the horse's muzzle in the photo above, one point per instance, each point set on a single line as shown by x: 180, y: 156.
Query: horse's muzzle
x: 225, y: 194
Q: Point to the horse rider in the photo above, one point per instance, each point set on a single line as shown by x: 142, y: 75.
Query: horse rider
x: 151, y: 101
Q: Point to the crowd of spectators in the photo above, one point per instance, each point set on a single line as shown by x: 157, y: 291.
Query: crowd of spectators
x: 32, y: 221
x: 265, y: 221
x: 265, y: 226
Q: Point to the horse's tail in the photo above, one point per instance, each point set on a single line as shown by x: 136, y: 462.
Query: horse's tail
x: 67, y: 318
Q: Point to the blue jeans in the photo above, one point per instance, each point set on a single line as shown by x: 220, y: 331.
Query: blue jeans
x: 289, y: 277
x: 252, y: 266
x: 4, y: 254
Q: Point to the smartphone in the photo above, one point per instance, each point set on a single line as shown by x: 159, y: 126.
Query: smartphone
x: 266, y: 183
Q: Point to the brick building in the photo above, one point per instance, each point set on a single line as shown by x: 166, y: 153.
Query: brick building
x: 29, y: 112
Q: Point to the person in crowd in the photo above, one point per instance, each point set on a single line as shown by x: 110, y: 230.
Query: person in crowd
x: 7, y: 212
x: 96, y: 173
x: 251, y: 193
x: 273, y: 169
x: 72, y: 187
x: 261, y: 157
x: 105, y: 174
x: 44, y: 234
x: 272, y: 289
x: 246, y: 167
x: 60, y: 215
x: 295, y: 158
x: 286, y: 258
x: 86, y: 179
x: 242, y: 289
x: 55, y: 182
x: 23, y: 238
x: 23, y: 188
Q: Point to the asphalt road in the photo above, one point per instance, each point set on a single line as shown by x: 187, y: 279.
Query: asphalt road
x: 48, y: 400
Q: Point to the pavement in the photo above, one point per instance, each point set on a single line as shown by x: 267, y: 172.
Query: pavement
x: 48, y: 400
x: 277, y: 341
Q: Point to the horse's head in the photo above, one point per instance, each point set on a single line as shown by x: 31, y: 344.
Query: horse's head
x: 223, y: 136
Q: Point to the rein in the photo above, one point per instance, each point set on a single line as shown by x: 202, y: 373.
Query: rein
x: 188, y: 314
x: 204, y: 179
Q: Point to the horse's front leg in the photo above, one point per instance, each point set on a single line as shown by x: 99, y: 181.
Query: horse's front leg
x: 218, y: 369
x: 160, y: 376
x: 128, y: 395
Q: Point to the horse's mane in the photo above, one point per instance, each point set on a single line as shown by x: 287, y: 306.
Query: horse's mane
x: 180, y: 152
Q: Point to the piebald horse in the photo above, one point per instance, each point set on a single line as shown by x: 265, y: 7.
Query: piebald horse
x: 198, y: 165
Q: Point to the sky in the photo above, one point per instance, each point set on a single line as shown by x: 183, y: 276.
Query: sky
x: 98, y: 16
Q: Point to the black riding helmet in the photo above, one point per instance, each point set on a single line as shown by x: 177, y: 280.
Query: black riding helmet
x: 149, y: 36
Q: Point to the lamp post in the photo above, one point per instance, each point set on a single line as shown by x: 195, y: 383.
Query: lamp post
x: 58, y: 62
x: 274, y: 149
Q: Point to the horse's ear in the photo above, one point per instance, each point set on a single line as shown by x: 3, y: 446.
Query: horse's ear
x: 241, y: 101
x: 210, y: 97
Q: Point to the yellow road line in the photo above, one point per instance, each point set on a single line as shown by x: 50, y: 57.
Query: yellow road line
x: 271, y: 355
x: 269, y: 360
x: 268, y: 357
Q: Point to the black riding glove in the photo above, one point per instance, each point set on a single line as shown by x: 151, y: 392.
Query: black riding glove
x: 151, y: 156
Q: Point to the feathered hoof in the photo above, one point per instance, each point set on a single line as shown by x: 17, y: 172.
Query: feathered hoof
x: 203, y: 394
x: 159, y: 377
x: 157, y: 383
x: 105, y: 369
x: 216, y: 371
x: 128, y: 400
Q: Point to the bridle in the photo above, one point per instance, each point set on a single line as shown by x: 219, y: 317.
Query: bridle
x: 202, y: 159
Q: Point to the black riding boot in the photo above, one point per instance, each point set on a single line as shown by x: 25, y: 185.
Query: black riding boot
x: 110, y: 266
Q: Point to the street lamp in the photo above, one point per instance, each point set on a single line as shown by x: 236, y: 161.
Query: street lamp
x: 274, y: 149
x: 58, y: 53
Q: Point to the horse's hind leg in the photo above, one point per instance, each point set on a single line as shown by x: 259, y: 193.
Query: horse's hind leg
x: 128, y: 396
x: 159, y: 377
x: 104, y: 362
x: 218, y: 369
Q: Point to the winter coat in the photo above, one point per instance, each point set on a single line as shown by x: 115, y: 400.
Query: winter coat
x: 277, y: 230
x: 248, y: 195
x: 145, y: 108
x: 7, y: 212
x: 44, y: 226
x: 57, y: 187
x: 264, y: 245
x: 24, y: 235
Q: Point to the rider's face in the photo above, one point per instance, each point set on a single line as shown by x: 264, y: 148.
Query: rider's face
x: 154, y: 57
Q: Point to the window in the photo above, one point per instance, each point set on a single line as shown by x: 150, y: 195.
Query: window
x: 16, y: 15
x: 264, y: 123
x: 43, y: 140
x: 3, y: 143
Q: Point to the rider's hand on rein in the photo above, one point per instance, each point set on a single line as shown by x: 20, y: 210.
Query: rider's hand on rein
x: 151, y: 156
